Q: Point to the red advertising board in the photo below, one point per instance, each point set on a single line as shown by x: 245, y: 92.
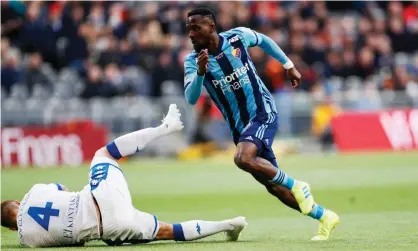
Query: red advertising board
x: 382, y: 130
x: 69, y: 144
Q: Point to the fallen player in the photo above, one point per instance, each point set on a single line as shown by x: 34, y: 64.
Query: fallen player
x: 49, y: 215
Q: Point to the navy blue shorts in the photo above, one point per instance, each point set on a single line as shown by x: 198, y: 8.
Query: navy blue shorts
x: 261, y: 132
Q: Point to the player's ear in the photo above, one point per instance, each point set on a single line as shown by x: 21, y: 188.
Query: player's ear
x: 13, y: 228
x: 211, y: 27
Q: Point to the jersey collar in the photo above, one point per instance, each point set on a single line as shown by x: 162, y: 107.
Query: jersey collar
x: 220, y: 45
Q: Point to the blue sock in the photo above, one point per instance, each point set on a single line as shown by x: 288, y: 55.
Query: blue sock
x: 113, y: 150
x: 178, y: 232
x: 197, y: 229
x: 283, y: 179
x: 317, y: 212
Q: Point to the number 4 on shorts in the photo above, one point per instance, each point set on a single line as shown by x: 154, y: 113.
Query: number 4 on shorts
x: 46, y: 213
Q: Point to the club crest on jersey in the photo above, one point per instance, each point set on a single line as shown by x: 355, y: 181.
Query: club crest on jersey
x: 236, y: 52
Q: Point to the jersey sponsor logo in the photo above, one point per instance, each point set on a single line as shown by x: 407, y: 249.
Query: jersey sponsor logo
x: 234, y: 39
x: 219, y: 56
x: 233, y: 81
x: 198, y: 229
x: 236, y: 52
x: 68, y: 231
x: 98, y: 174
x: 20, y: 217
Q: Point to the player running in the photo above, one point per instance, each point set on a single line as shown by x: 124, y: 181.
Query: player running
x: 49, y: 215
x: 222, y: 64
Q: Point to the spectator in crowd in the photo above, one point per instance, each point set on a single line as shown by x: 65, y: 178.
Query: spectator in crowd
x: 38, y: 73
x: 366, y: 59
x: 323, y: 113
x: 73, y: 35
x: 128, y: 57
x: 136, y: 47
x: 165, y: 70
x: 12, y: 18
x: 139, y: 34
x: 11, y: 73
x: 349, y: 63
x: 96, y: 86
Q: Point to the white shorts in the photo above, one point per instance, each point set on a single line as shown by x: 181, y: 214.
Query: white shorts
x: 121, y: 222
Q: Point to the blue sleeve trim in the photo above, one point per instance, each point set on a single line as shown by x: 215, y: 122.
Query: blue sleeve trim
x: 178, y: 232
x: 256, y: 37
x: 113, y: 150
x: 156, y: 224
x: 59, y: 186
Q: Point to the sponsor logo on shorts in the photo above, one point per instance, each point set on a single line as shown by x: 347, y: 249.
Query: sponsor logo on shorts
x: 68, y: 231
x: 249, y: 138
x: 198, y: 229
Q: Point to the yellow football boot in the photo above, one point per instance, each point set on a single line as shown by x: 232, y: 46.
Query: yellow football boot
x: 327, y: 223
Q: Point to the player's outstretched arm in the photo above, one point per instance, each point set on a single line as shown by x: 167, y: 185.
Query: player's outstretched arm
x: 194, y: 76
x: 271, y: 48
x: 253, y: 38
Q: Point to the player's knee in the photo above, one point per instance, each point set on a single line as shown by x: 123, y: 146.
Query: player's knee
x: 124, y: 222
x: 103, y: 152
x: 244, y: 161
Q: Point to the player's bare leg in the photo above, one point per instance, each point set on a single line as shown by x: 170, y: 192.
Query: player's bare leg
x: 281, y: 193
x: 197, y: 229
x: 267, y: 174
x: 246, y: 159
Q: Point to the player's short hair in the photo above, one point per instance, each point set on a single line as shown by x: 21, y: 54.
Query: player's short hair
x: 7, y: 219
x: 204, y: 12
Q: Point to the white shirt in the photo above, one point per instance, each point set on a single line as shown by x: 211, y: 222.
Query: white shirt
x: 51, y: 217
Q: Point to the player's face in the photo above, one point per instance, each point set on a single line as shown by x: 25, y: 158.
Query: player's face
x: 199, y: 29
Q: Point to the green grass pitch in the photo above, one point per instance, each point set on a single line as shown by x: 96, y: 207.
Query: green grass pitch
x: 376, y: 196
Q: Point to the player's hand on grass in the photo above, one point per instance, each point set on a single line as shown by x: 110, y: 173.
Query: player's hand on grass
x: 294, y: 77
x: 202, y: 62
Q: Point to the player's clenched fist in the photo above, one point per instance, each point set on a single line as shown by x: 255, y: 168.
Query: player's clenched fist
x: 202, y: 62
x: 294, y: 77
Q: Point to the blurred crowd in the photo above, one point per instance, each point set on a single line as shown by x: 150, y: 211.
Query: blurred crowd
x: 104, y: 41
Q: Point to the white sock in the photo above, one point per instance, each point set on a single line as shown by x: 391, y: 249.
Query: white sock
x: 196, y: 229
x: 135, y: 141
